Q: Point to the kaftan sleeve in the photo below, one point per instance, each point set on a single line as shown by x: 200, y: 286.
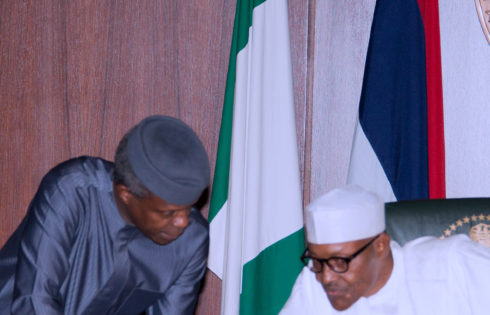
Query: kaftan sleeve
x: 44, y: 249
x: 182, y: 296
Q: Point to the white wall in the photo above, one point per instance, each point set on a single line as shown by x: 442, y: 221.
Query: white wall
x: 465, y: 55
x: 341, y: 37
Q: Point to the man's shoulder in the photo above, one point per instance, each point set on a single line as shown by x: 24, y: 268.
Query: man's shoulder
x: 82, y: 164
x: 80, y: 171
x: 449, y: 272
x: 429, y: 245
x: 434, y: 258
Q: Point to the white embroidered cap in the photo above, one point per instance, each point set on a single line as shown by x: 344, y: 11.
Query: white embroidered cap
x: 344, y: 214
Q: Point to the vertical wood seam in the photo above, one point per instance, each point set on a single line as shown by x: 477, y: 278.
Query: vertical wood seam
x: 310, y: 56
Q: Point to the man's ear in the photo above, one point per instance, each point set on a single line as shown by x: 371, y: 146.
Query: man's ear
x: 382, y: 244
x: 123, y: 193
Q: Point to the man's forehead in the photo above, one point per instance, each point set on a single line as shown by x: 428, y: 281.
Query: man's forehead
x: 328, y: 250
x: 163, y: 204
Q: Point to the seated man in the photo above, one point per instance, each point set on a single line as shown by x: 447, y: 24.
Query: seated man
x: 354, y: 268
x: 122, y: 238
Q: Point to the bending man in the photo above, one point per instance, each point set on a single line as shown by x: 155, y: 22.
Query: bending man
x: 122, y: 238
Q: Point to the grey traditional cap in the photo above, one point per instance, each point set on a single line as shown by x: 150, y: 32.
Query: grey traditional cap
x: 169, y: 159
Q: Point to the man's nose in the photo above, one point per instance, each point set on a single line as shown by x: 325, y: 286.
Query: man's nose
x: 327, y: 275
x: 181, y: 219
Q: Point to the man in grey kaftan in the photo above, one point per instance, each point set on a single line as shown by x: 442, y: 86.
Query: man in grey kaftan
x: 90, y: 245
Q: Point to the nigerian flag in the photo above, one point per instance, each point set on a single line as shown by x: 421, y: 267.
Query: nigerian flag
x: 256, y: 219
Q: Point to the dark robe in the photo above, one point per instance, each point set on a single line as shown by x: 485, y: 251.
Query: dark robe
x: 74, y: 254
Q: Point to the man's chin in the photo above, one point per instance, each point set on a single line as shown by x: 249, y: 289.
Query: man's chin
x: 339, y: 302
x: 162, y: 238
x: 340, y: 307
x: 160, y: 241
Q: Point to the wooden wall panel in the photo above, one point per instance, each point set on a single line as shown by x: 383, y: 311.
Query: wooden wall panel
x: 298, y: 31
x: 76, y: 75
x: 85, y: 29
x: 33, y: 116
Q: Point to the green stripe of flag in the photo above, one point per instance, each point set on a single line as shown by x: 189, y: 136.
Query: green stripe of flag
x: 278, y: 264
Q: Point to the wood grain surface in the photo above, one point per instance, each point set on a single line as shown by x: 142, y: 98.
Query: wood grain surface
x: 76, y: 75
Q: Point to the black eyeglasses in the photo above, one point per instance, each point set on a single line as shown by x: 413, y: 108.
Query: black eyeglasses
x: 335, y: 263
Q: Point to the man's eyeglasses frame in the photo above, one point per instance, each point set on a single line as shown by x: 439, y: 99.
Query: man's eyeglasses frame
x: 335, y: 263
